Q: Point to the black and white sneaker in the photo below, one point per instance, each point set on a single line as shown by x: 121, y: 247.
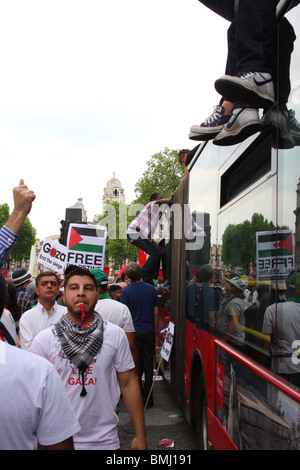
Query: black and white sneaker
x: 254, y: 88
x: 243, y: 123
x: 281, y: 135
x: 294, y: 126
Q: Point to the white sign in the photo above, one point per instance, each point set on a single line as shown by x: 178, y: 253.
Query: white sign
x: 275, y: 254
x: 53, y: 255
x: 168, y: 343
x: 86, y: 246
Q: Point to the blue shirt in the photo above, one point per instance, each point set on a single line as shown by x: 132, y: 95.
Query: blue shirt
x: 7, y: 240
x: 141, y: 299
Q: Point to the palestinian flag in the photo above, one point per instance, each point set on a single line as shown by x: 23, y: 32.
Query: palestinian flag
x: 86, y: 238
x: 277, y: 243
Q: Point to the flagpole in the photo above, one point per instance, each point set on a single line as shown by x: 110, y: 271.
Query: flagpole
x: 153, y: 382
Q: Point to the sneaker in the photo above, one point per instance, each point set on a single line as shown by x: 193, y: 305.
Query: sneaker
x: 254, y: 88
x: 279, y: 121
x: 243, y: 123
x: 211, y: 126
x: 294, y: 126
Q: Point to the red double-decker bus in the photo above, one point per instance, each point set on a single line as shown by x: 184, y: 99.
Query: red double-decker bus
x: 235, y: 364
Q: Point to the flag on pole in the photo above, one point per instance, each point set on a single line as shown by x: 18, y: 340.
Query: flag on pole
x: 86, y: 245
x: 123, y: 268
x: 274, y: 254
x: 86, y: 238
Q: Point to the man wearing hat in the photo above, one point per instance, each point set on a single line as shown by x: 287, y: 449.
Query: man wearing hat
x: 102, y: 283
x: 232, y: 318
x: 282, y: 323
x: 21, y: 279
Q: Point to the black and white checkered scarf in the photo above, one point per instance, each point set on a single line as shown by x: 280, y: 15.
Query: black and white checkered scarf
x: 80, y: 345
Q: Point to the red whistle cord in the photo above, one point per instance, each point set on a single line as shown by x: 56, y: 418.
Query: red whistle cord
x: 82, y: 315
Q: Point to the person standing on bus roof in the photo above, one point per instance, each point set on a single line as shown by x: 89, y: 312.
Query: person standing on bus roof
x: 251, y: 72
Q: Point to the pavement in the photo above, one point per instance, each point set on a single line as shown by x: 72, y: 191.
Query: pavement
x: 164, y: 421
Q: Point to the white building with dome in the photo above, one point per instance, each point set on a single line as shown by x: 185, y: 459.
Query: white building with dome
x: 113, y: 191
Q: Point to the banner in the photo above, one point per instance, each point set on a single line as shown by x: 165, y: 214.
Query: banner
x: 53, y: 255
x: 86, y: 246
x: 168, y: 343
x: 274, y: 254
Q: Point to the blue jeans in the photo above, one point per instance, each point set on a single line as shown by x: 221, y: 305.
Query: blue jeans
x: 251, y: 35
x: 252, y: 40
x: 150, y: 269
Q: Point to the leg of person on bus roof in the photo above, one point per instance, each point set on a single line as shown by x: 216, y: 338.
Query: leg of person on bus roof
x: 245, y: 120
x: 221, y: 114
x: 251, y: 39
x: 282, y: 119
x: 252, y: 46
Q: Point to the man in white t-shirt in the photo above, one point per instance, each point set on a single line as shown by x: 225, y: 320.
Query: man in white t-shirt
x: 282, y: 323
x: 93, y: 359
x: 35, y: 411
x: 47, y: 311
x: 115, y: 312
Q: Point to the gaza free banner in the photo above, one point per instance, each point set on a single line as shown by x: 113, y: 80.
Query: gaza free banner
x: 86, y: 246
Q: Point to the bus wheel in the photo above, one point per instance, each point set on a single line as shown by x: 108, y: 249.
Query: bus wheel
x: 199, y: 414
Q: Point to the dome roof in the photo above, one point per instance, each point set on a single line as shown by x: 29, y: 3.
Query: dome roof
x: 113, y: 191
x: 113, y: 183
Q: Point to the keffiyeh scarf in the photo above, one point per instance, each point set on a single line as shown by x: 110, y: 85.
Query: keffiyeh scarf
x: 80, y: 345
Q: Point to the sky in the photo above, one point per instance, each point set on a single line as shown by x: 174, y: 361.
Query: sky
x: 89, y: 88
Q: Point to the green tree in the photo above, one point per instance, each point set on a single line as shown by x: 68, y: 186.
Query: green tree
x: 27, y: 236
x: 239, y: 241
x: 4, y: 214
x: 163, y: 175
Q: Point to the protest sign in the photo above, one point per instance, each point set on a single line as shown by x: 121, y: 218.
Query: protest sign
x: 86, y: 246
x: 168, y: 343
x: 275, y: 254
x: 53, y: 255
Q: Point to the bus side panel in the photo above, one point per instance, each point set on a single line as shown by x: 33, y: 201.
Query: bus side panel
x: 255, y: 413
x: 204, y: 342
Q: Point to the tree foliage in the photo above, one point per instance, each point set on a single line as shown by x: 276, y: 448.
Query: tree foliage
x: 239, y: 241
x: 163, y: 175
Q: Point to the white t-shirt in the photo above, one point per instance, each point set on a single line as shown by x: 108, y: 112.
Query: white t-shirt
x: 9, y: 323
x: 115, y: 312
x: 37, y: 319
x: 96, y: 411
x: 282, y: 322
x: 34, y: 405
